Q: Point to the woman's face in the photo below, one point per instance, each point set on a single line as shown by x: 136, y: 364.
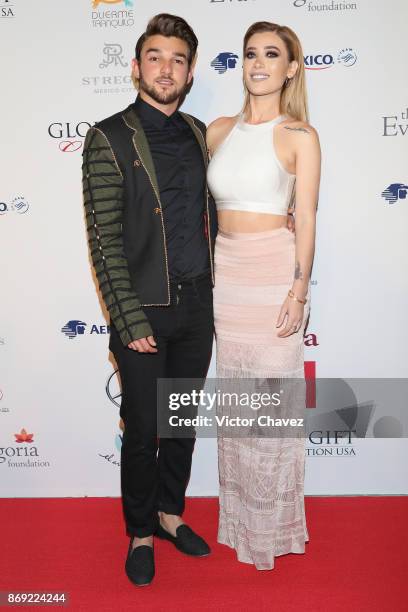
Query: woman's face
x: 266, y: 64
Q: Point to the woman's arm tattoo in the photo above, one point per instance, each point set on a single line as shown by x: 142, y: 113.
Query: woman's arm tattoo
x: 298, y: 272
x: 297, y: 129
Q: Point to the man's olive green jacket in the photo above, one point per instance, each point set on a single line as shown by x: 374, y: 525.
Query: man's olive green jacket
x: 126, y: 232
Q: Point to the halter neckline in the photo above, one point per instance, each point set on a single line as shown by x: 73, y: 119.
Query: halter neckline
x: 245, y: 173
x: 251, y: 126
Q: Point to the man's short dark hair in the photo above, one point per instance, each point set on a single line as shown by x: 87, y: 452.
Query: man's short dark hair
x: 169, y: 25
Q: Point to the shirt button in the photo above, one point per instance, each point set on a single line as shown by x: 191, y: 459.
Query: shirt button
x: 136, y: 162
x: 178, y: 286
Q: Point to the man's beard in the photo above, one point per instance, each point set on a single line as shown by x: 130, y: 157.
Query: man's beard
x: 162, y: 97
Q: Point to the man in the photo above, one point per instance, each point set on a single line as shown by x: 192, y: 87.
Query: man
x: 151, y: 228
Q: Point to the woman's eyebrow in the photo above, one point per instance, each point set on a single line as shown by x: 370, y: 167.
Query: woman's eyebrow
x: 267, y: 47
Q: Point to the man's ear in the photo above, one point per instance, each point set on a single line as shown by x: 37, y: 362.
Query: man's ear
x: 192, y: 68
x: 135, y: 69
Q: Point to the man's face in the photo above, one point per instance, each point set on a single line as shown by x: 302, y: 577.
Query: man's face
x: 163, y: 70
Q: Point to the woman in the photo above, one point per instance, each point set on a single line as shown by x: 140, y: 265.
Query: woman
x: 260, y: 160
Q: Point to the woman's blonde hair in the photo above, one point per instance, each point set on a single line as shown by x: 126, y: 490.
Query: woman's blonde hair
x: 293, y: 100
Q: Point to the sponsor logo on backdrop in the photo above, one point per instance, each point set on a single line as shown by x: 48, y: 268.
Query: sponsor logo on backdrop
x: 69, y: 135
x: 226, y: 60
x: 24, y: 436
x: 112, y: 389
x: 113, y: 55
x: 396, y: 125
x: 310, y: 340
x: 319, y: 62
x: 114, y: 458
x: 395, y: 192
x: 75, y: 327
x: 330, y: 5
x: 347, y: 57
x: 323, y: 61
x: 6, y: 9
x: 331, y: 443
x: 2, y: 341
x: 18, y: 205
x: 120, y: 15
x: 23, y: 453
x: 109, y: 80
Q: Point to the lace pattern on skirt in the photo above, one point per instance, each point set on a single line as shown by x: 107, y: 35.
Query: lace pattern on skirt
x: 262, y: 512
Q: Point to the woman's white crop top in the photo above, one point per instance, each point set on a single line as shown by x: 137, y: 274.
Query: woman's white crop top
x: 245, y: 173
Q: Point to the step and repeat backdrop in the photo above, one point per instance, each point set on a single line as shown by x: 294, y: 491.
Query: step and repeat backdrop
x: 65, y: 65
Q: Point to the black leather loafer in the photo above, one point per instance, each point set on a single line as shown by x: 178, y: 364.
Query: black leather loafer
x: 140, y: 564
x: 185, y: 541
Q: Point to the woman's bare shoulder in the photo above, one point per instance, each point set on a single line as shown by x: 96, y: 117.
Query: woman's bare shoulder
x: 218, y: 130
x: 221, y: 122
x: 298, y: 127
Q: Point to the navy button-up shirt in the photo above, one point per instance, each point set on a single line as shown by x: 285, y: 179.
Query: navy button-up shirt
x: 180, y: 171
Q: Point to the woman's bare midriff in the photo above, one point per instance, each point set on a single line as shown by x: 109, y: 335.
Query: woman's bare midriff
x: 239, y: 221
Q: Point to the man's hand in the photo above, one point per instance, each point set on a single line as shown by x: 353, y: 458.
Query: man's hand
x: 290, y: 221
x: 143, y: 345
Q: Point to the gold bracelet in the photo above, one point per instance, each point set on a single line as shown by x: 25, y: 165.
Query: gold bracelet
x: 293, y: 296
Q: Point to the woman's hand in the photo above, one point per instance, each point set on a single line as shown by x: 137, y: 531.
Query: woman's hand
x: 293, y: 312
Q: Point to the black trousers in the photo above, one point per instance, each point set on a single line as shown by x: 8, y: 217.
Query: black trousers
x: 155, y: 473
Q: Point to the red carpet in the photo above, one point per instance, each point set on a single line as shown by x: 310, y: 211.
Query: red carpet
x: 355, y: 560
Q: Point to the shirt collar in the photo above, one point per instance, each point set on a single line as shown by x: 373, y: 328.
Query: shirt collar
x: 149, y: 113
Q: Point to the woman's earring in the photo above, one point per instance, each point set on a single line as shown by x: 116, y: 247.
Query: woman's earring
x: 287, y: 81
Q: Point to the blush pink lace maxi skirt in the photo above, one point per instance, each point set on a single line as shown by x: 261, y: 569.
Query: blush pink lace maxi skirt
x: 262, y: 513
